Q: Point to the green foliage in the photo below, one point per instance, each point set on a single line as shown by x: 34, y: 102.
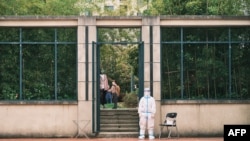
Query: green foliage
x: 205, y: 65
x: 195, y: 7
x: 37, y: 66
x: 133, y: 59
x: 117, y: 59
x: 127, y: 8
x: 131, y: 100
x: 198, y: 7
x: 8, y: 93
x: 38, y: 7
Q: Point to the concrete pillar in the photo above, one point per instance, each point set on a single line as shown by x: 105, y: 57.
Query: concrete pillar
x: 84, y: 75
x: 156, y: 68
x: 146, y: 38
x: 157, y: 71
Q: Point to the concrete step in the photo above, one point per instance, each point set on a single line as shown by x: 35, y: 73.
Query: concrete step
x: 117, y: 134
x: 109, y: 112
x: 119, y: 123
x: 119, y: 116
x: 119, y: 129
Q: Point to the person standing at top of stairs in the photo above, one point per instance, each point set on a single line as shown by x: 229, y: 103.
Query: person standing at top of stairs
x: 115, y: 89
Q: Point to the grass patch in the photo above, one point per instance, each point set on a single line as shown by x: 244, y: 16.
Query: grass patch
x: 111, y: 105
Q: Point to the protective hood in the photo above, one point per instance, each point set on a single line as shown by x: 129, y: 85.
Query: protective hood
x: 146, y: 92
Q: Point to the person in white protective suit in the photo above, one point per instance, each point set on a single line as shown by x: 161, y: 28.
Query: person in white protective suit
x: 146, y: 112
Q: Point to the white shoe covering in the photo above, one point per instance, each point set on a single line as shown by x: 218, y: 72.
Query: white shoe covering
x: 141, y: 137
x: 151, y: 137
x: 151, y: 134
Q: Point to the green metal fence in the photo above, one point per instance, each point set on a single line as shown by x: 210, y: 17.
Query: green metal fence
x: 38, y: 63
x: 205, y: 62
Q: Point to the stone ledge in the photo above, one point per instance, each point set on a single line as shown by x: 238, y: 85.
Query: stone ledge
x: 38, y: 102
x: 166, y: 102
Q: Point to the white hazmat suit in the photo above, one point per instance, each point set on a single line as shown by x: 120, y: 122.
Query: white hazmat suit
x: 146, y: 111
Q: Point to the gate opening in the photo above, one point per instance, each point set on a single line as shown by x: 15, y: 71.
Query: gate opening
x: 122, y: 62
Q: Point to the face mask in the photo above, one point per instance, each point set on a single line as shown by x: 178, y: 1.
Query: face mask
x: 146, y: 92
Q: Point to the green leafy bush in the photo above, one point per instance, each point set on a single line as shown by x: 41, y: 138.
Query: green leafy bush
x: 130, y: 100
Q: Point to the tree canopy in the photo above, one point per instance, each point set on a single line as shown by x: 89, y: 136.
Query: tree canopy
x: 199, y: 7
x: 143, y: 7
x: 38, y: 7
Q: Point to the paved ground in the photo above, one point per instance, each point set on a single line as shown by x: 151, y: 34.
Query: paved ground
x: 112, y: 139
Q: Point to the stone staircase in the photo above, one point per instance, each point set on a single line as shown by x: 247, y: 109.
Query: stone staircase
x: 119, y: 123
